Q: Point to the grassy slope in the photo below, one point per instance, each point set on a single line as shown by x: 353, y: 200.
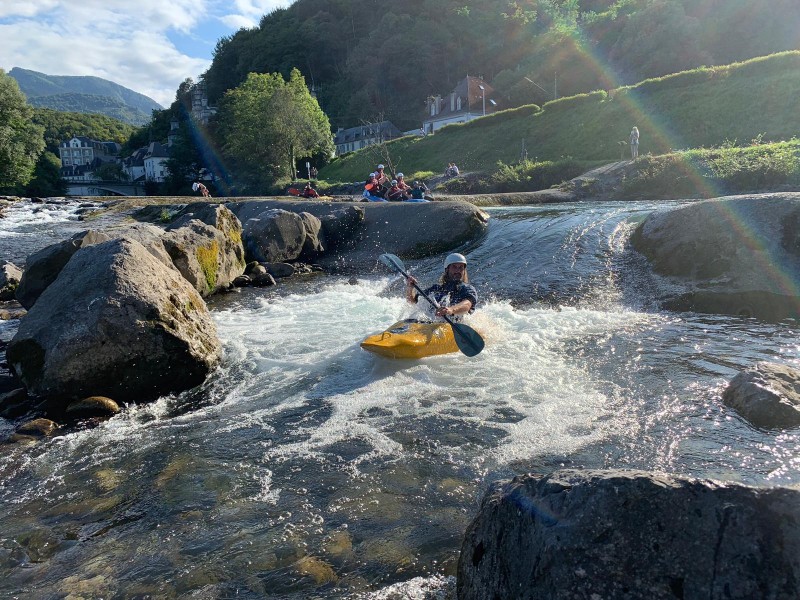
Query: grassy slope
x: 702, y: 107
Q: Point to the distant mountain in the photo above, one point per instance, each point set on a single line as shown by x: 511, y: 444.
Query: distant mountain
x: 85, y: 95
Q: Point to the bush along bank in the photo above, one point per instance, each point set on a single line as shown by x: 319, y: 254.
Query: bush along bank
x: 709, y: 173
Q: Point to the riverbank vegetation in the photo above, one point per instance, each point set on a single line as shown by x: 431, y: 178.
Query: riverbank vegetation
x: 710, y: 172
x: 701, y: 108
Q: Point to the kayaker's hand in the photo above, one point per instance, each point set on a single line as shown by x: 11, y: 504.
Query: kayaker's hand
x: 444, y: 310
x: 411, y: 281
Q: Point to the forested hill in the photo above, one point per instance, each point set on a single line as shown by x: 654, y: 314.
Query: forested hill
x: 372, y: 59
x: 84, y: 95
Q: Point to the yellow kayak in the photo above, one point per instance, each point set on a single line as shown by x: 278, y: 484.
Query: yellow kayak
x: 412, y: 339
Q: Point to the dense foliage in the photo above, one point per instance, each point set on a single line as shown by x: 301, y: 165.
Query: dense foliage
x: 375, y: 57
x: 266, y: 123
x: 61, y: 126
x: 21, y: 140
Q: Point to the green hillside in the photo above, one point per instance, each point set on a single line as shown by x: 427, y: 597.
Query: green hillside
x: 84, y: 95
x: 699, y: 108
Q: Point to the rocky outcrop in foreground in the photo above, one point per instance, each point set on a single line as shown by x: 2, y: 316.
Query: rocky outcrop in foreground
x: 738, y: 255
x: 633, y: 535
x: 767, y: 395
x: 116, y: 322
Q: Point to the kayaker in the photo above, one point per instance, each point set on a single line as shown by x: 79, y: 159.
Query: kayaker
x: 310, y: 192
x: 453, y: 293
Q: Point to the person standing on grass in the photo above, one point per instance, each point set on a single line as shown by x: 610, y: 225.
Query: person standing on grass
x: 634, y: 143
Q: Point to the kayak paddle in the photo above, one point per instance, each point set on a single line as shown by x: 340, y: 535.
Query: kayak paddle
x: 467, y: 339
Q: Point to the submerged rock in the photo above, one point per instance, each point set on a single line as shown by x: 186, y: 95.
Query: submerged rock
x: 10, y: 276
x: 767, y: 395
x: 631, y: 534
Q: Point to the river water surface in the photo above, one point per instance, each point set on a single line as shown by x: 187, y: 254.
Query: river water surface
x: 307, y: 468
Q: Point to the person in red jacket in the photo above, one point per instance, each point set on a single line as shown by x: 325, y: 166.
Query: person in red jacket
x: 310, y: 192
x: 404, y: 187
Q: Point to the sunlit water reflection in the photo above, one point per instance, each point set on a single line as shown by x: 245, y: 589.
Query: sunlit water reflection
x: 306, y: 467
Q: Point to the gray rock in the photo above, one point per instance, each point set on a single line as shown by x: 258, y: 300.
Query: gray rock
x: 355, y: 234
x: 274, y: 235
x: 209, y: 258
x: 10, y: 276
x: 633, y: 535
x: 262, y: 280
x: 738, y: 255
x: 279, y: 270
x: 147, y: 235
x: 767, y: 395
x: 42, y: 267
x: 314, y: 244
x: 116, y: 323
x: 38, y: 428
x: 14, y: 404
x: 93, y: 406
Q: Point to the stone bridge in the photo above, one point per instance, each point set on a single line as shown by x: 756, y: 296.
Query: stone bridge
x: 105, y: 188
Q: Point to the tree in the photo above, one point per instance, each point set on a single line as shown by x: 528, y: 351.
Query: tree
x: 266, y: 123
x: 46, y: 177
x: 21, y: 141
x: 111, y: 171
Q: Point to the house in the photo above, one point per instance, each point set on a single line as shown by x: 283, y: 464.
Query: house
x: 80, y: 172
x: 82, y: 150
x: 470, y: 99
x: 355, y: 138
x: 155, y: 162
x: 134, y: 165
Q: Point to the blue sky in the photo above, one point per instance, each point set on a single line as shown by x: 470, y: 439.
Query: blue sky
x: 149, y: 46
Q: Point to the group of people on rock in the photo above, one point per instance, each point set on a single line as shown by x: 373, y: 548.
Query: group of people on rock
x: 379, y: 188
x: 451, y: 170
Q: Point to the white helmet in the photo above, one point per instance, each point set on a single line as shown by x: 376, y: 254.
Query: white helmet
x: 399, y: 175
x: 453, y: 259
x: 372, y: 175
x: 380, y: 166
x: 394, y: 181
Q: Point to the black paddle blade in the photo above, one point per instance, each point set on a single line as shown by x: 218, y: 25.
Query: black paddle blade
x: 467, y: 339
x: 391, y: 261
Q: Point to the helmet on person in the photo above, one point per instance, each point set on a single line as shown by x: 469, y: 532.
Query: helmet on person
x: 399, y: 175
x: 394, y: 181
x: 453, y: 259
x: 380, y: 166
x: 372, y: 175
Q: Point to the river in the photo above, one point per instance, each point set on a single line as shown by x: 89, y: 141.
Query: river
x: 306, y: 467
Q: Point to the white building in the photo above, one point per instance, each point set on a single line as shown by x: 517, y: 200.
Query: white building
x: 470, y: 99
x: 155, y: 162
x: 81, y: 150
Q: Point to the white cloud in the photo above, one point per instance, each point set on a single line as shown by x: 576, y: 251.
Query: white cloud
x: 123, y: 41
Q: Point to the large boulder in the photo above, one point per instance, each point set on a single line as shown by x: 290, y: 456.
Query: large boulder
x: 412, y: 230
x: 767, y: 395
x: 118, y: 323
x: 10, y: 276
x: 42, y: 267
x: 274, y: 235
x: 634, y: 535
x: 209, y: 258
x: 738, y: 255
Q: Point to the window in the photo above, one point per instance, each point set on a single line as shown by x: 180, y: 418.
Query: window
x: 458, y: 103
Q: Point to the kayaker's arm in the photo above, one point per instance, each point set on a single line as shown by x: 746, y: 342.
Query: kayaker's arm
x: 461, y: 308
x: 411, y: 294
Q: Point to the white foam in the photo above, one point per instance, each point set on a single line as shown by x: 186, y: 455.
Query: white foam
x: 291, y: 341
